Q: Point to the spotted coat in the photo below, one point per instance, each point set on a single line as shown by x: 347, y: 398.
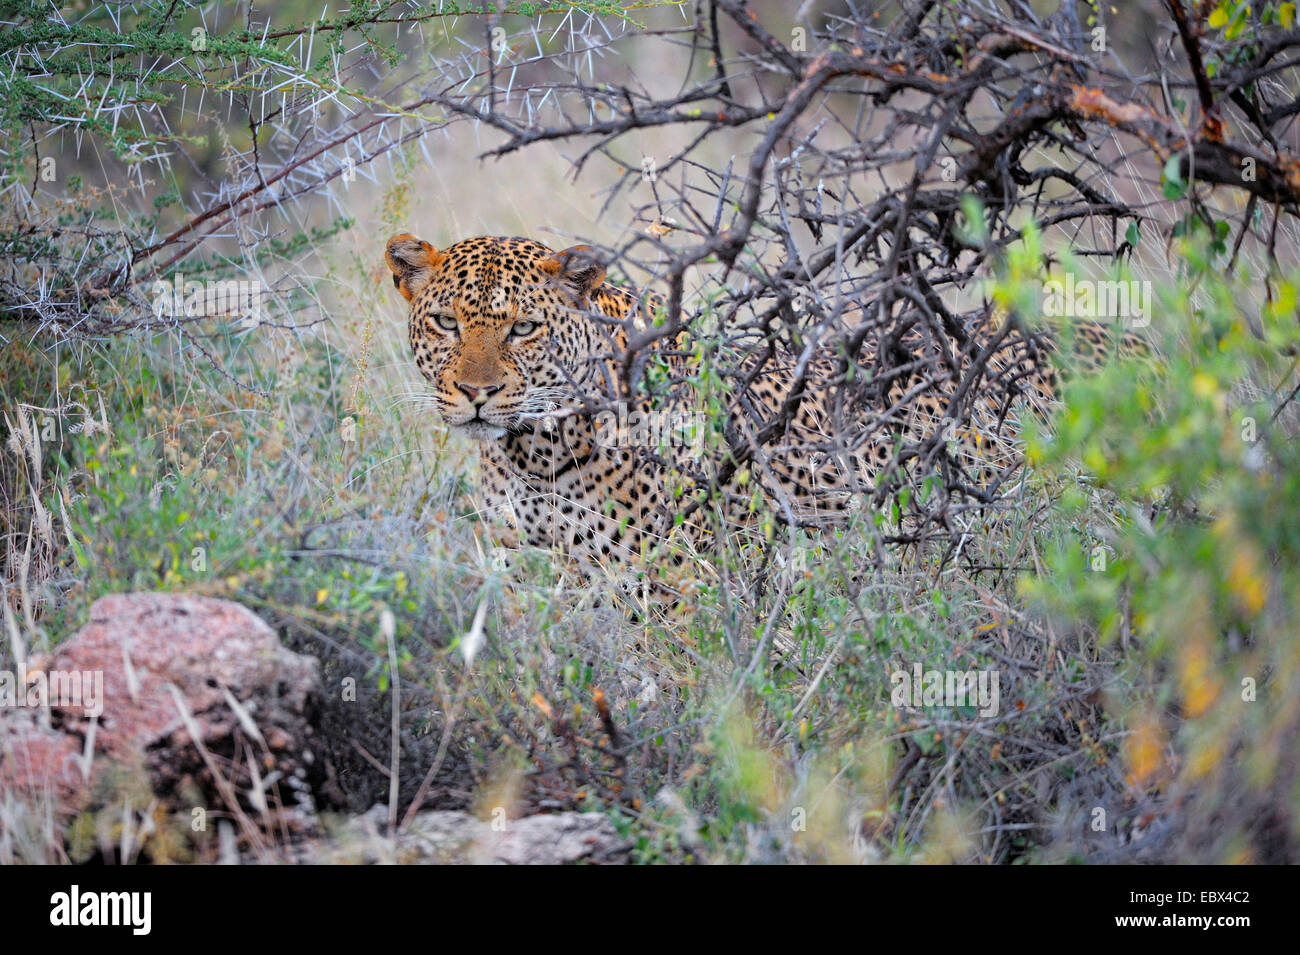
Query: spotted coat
x: 522, y: 346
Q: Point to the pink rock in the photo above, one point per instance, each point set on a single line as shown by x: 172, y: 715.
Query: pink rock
x: 38, y: 761
x: 149, y: 649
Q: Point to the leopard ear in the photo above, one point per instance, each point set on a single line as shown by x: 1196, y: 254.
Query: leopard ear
x: 576, y: 267
x: 412, y: 262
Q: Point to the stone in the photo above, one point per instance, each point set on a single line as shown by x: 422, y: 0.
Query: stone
x: 173, y: 670
x: 448, y: 837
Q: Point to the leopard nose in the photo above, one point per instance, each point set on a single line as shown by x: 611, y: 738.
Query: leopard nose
x: 478, y: 394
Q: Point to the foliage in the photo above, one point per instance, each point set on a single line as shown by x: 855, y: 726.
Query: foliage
x: 1132, y: 588
x: 1182, y: 543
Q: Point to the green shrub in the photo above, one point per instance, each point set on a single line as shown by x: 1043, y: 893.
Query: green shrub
x: 1180, y: 540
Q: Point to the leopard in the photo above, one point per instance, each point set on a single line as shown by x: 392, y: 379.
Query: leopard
x: 526, y: 349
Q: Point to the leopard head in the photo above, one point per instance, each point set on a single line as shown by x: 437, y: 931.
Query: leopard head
x: 503, y: 328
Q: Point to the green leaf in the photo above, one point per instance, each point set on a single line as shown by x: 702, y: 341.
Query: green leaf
x: 975, y: 228
x: 1133, y: 235
x: 1172, y: 183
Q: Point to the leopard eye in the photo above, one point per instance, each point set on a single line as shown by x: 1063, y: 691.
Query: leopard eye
x: 522, y: 329
x: 446, y: 322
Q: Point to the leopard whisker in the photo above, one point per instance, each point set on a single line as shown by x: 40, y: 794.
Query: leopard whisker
x: 415, y: 399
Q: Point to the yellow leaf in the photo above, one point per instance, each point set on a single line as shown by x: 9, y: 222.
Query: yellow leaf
x: 1219, y: 17
x: 1196, y: 678
x: 1143, y: 749
x: 1286, y: 15
x: 321, y: 595
x: 1246, y: 581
